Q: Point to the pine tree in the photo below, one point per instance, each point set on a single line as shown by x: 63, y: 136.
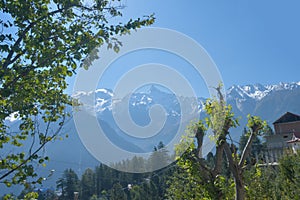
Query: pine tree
x: 88, y: 184
x: 68, y: 183
x: 117, y: 192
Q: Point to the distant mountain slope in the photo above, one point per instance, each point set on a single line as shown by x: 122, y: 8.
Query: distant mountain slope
x: 277, y: 103
x: 269, y: 102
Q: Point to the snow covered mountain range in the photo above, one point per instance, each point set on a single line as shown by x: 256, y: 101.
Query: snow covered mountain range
x: 137, y: 101
x: 267, y: 101
x: 258, y: 91
x: 247, y: 99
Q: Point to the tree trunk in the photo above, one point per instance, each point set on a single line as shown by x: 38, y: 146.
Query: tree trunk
x: 199, y: 137
x: 239, y: 188
x: 237, y: 173
x: 219, y: 158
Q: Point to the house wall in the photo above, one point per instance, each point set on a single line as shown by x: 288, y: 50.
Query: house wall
x: 287, y: 127
x: 278, y: 141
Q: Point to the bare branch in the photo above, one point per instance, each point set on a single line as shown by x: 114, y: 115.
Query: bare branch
x: 247, y: 149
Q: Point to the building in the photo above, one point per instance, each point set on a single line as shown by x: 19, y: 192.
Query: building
x: 287, y: 131
x: 295, y: 142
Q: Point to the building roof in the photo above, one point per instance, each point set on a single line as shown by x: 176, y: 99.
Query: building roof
x: 287, y: 117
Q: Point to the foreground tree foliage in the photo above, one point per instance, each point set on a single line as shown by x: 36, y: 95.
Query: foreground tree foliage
x: 289, y: 178
x: 207, y: 179
x: 275, y: 182
x: 43, y: 42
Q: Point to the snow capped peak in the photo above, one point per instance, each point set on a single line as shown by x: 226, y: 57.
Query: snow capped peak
x: 257, y: 91
x: 104, y: 91
x: 100, y: 91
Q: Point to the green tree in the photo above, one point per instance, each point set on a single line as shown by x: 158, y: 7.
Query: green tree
x: 88, y: 184
x: 43, y: 42
x: 136, y: 192
x: 214, y: 184
x: 94, y: 197
x: 159, y: 157
x: 26, y: 192
x: 268, y: 131
x: 262, y: 183
x: 99, y: 174
x: 117, y: 192
x: 289, y: 176
x: 275, y: 182
x: 68, y: 184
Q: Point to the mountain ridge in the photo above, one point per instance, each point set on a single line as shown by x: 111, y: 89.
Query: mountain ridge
x: 258, y: 91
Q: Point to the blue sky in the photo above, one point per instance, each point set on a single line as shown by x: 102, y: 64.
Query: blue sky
x: 250, y: 41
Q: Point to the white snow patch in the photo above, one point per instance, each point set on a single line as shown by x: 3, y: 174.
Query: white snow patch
x: 104, y: 91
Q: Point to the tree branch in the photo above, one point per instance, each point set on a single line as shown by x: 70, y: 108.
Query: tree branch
x: 231, y: 162
x: 33, y: 154
x: 8, y: 60
x: 247, y: 149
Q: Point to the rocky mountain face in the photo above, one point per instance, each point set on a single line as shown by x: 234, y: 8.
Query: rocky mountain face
x: 269, y: 101
x: 139, y: 106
